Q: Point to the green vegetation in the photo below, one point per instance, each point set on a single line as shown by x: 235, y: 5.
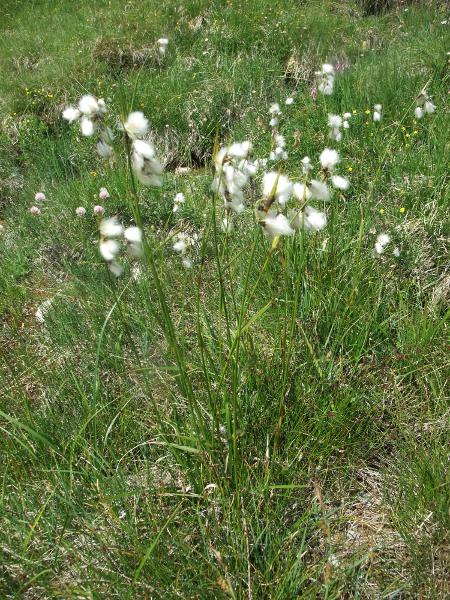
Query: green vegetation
x: 266, y: 424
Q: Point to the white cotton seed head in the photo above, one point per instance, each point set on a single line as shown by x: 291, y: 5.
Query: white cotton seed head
x: 104, y: 150
x: 326, y: 87
x: 347, y: 115
x: 396, y: 252
x: 115, y: 268
x: 273, y: 122
x: 377, y: 108
x: 345, y: 125
x: 239, y: 149
x: 87, y: 126
x: 289, y: 101
x: 145, y: 149
x: 88, y: 105
x: 418, y: 113
x: 329, y: 159
x: 279, y: 185
x: 319, y: 190
x: 109, y: 249
x: 314, y: 220
x: 71, y: 114
x: 383, y: 239
x: 301, y: 192
x: 429, y: 107
x: 186, y: 262
x: 334, y: 121
x: 376, y: 116
x: 180, y: 246
x: 341, y: 183
x: 136, y: 125
x: 279, y: 225
x: 328, y: 69
x: 133, y: 235
x: 274, y: 109
x: 180, y: 198
x: 111, y: 227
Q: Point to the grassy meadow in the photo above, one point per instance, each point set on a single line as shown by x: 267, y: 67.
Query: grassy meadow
x: 253, y: 416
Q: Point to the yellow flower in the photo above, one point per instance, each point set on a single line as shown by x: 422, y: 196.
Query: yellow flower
x: 408, y: 135
x: 367, y: 112
x: 415, y: 132
x: 94, y: 173
x: 403, y: 128
x: 381, y: 211
x: 350, y: 169
x: 402, y: 210
x: 354, y: 111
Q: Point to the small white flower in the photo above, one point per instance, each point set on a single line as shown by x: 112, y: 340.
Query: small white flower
x: 136, y: 125
x: 327, y: 69
x: 277, y: 185
x: 80, y: 211
x: 111, y: 227
x: 273, y: 122
x: 418, y: 113
x: 340, y: 182
x: 109, y: 249
x: 278, y: 225
x: 186, y: 262
x: 34, y: 210
x: 163, y: 41
x: 396, y: 252
x: 98, y: 210
x: 347, y: 115
x: 39, y: 196
x: 180, y: 198
x: 289, y: 101
x: 345, y: 125
x: 329, y: 159
x: 319, y: 190
x: 377, y: 107
x: 280, y: 140
x: 71, y: 114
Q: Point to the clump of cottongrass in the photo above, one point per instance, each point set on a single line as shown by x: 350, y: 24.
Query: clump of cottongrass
x: 90, y: 114
x: 377, y: 112
x: 232, y: 171
x: 35, y: 210
x: 185, y: 245
x: 179, y: 199
x: 325, y: 79
x: 112, y: 236
x: 335, y: 124
x: 424, y: 105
